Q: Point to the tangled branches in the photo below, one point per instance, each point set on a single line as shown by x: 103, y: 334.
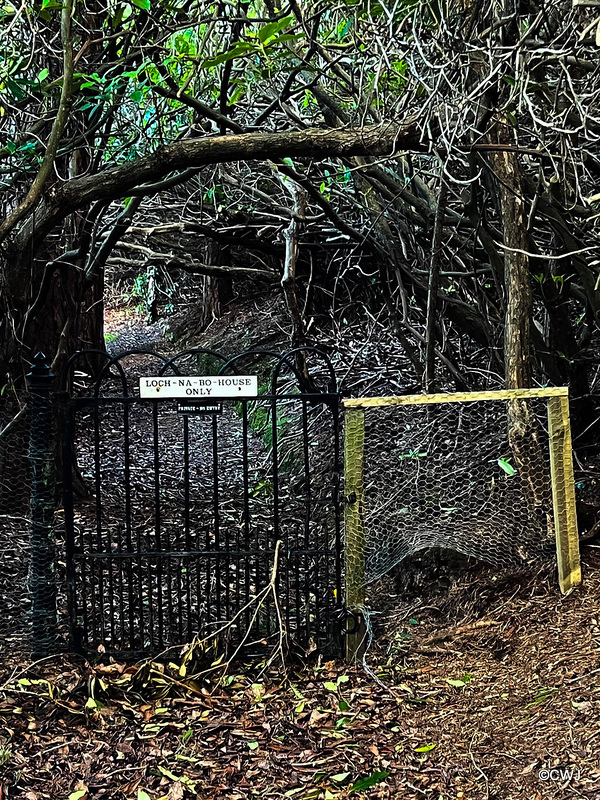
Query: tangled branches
x: 369, y: 108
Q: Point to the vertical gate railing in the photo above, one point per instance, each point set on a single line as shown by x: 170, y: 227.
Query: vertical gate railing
x: 173, y: 519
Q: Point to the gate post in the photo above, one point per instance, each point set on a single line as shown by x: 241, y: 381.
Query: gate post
x: 354, y: 447
x: 42, y: 570
x: 563, y: 493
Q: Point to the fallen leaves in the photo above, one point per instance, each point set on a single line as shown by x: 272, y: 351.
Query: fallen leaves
x: 329, y: 733
x: 370, y: 780
x: 80, y: 793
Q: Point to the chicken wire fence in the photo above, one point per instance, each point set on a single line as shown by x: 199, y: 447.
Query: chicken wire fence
x: 14, y: 524
x: 28, y: 519
x: 486, y: 474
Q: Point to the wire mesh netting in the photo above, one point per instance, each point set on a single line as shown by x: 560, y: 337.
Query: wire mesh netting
x: 472, y: 477
x: 14, y: 527
x: 42, y: 583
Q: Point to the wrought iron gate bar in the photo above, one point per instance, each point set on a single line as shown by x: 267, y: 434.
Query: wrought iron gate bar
x: 81, y: 402
x: 179, y: 533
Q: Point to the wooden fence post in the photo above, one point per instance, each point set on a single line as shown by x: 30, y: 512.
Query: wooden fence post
x: 563, y: 494
x: 354, y: 441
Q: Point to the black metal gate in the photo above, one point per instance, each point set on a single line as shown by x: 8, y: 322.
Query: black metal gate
x: 174, y: 513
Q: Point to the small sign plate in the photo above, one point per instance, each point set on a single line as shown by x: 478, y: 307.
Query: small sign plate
x: 193, y: 388
x: 199, y: 408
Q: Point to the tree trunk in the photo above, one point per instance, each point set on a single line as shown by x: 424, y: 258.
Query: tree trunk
x: 523, y: 434
x: 519, y: 299
x: 433, y: 288
x: 216, y: 291
x: 68, y: 316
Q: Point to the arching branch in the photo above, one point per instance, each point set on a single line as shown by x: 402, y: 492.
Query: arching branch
x: 185, y: 154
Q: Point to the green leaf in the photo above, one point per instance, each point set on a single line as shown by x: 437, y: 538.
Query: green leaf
x: 168, y: 774
x: 142, y: 795
x: 286, y: 37
x: 504, y: 464
x: 116, y: 20
x: 177, y: 778
x: 455, y: 682
x: 15, y: 89
x: 370, y: 780
x: 331, y: 687
x: 296, y: 692
x: 271, y: 28
x: 426, y: 748
x: 239, y: 49
x: 340, y: 777
x: 143, y: 4
x: 43, y: 74
x: 253, y: 745
x: 237, y: 94
x: 343, y: 29
x: 78, y: 794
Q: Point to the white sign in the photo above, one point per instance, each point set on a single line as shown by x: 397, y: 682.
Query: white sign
x: 191, y: 387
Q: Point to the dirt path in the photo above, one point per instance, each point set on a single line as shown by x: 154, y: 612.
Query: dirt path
x: 127, y: 330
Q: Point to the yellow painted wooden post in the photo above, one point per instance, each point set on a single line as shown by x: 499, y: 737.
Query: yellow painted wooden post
x: 354, y: 445
x: 563, y: 494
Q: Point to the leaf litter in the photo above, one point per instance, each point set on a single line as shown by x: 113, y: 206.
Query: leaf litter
x: 479, y: 718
